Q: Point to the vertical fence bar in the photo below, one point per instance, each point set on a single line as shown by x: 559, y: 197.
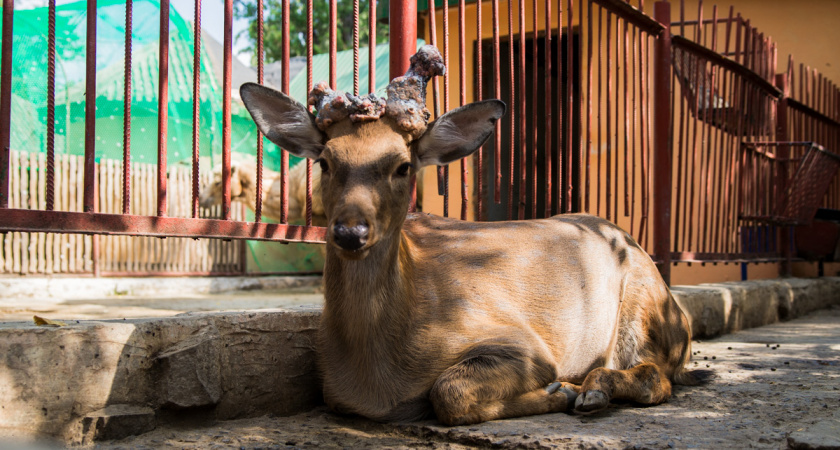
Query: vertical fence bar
x: 462, y: 88
x: 547, y: 96
x: 356, y: 46
x: 443, y: 173
x: 523, y: 110
x: 196, y: 108
x: 587, y: 175
x: 478, y: 95
x: 6, y: 101
x: 333, y: 44
x: 661, y: 143
x: 512, y: 112
x: 50, y: 169
x: 783, y: 153
x: 163, y: 106
x: 310, y: 32
x: 497, y: 92
x: 372, y: 44
x: 284, y: 86
x: 558, y: 150
x: 260, y: 75
x: 569, y: 101
x: 90, y: 110
x: 226, y: 107
x: 608, y: 150
x: 534, y: 125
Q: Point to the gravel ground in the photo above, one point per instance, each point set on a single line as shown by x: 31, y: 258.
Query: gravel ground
x: 777, y: 386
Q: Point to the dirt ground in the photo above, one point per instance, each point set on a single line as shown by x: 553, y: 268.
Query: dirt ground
x: 777, y: 386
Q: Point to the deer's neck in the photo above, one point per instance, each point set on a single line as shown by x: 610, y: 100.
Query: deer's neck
x: 374, y: 296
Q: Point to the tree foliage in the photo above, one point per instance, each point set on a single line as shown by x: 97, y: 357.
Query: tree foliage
x: 272, y: 28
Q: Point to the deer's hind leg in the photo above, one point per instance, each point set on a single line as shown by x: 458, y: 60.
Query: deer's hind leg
x: 496, y: 381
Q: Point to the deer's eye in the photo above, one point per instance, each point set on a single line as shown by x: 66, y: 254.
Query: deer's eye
x: 403, y: 169
x: 324, y: 166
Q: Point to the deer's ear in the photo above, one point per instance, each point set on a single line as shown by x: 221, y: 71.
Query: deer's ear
x: 283, y: 120
x: 459, y: 132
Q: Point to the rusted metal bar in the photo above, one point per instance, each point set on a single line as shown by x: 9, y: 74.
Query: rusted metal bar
x: 90, y: 109
x: 462, y: 89
x: 534, y: 95
x: 523, y: 111
x: 632, y: 130
x: 260, y: 78
x: 497, y: 92
x: 661, y: 143
x: 309, y: 84
x: 617, y: 110
x: 402, y: 24
x: 372, y: 44
x: 598, y: 117
x: 196, y: 108
x: 587, y: 175
x: 478, y: 95
x: 226, y: 107
x: 511, y: 112
x: 559, y: 191
x: 608, y: 121
x: 284, y: 86
x: 6, y: 100
x: 334, y: 45
x: 444, y: 172
x: 644, y: 139
x: 29, y: 220
x: 547, y: 96
x: 50, y: 169
x: 627, y: 161
x: 163, y: 108
x: 356, y: 46
x: 569, y: 102
x: 435, y: 87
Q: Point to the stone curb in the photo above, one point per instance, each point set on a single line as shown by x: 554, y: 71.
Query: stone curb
x: 94, y: 380
x: 74, y: 289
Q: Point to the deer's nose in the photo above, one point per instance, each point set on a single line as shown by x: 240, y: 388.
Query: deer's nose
x: 352, y: 237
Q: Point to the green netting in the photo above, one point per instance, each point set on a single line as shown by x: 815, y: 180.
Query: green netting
x: 29, y: 87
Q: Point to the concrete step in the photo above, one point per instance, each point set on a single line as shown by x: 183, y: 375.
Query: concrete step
x: 92, y: 379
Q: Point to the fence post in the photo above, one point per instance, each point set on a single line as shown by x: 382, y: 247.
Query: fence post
x: 662, y: 147
x: 402, y: 28
x: 783, y: 154
x: 402, y: 24
x: 6, y: 101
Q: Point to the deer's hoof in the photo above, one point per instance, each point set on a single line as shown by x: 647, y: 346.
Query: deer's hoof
x: 590, y: 402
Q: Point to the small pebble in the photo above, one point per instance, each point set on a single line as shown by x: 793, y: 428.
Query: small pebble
x: 773, y: 369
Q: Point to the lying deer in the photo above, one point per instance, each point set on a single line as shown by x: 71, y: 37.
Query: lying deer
x: 469, y: 321
x: 243, y: 187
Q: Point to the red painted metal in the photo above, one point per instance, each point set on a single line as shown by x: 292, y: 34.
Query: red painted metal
x: 443, y: 173
x: 568, y: 102
x: 196, y: 116
x: 90, y: 109
x: 511, y: 112
x: 661, y: 142
x: 523, y: 109
x: 309, y: 84
x: 402, y: 25
x: 333, y: 44
x: 226, y: 105
x: 6, y: 100
x: 155, y: 226
x: 163, y: 107
x: 497, y: 92
x: 588, y: 173
x: 356, y: 47
x: 534, y: 125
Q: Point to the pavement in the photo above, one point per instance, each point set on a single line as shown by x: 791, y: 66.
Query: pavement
x: 776, y: 386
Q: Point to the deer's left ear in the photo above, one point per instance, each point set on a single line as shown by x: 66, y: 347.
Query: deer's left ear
x: 458, y: 133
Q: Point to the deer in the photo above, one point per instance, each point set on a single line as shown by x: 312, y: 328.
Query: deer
x: 466, y: 322
x: 243, y: 187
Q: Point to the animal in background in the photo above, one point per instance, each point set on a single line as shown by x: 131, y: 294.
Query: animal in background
x: 430, y: 316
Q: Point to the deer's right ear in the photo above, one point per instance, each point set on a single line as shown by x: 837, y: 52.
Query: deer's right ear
x: 283, y: 120
x: 459, y: 132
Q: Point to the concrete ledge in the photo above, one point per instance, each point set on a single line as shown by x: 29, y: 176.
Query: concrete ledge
x: 71, y: 289
x: 57, y: 381
x: 113, y: 378
x: 720, y: 308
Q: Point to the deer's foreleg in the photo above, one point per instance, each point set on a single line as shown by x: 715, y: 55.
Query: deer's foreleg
x: 646, y: 384
x: 498, y: 381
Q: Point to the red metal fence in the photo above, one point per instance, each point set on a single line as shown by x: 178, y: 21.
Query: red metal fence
x: 690, y: 142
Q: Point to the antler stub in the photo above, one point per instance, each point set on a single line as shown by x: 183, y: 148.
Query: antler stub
x: 406, y: 102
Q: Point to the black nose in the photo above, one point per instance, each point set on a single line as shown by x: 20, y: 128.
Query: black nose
x: 351, y: 238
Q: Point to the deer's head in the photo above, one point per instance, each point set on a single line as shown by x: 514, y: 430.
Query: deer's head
x: 368, y: 147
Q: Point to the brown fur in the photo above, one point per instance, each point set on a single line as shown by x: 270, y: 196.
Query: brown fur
x: 475, y: 321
